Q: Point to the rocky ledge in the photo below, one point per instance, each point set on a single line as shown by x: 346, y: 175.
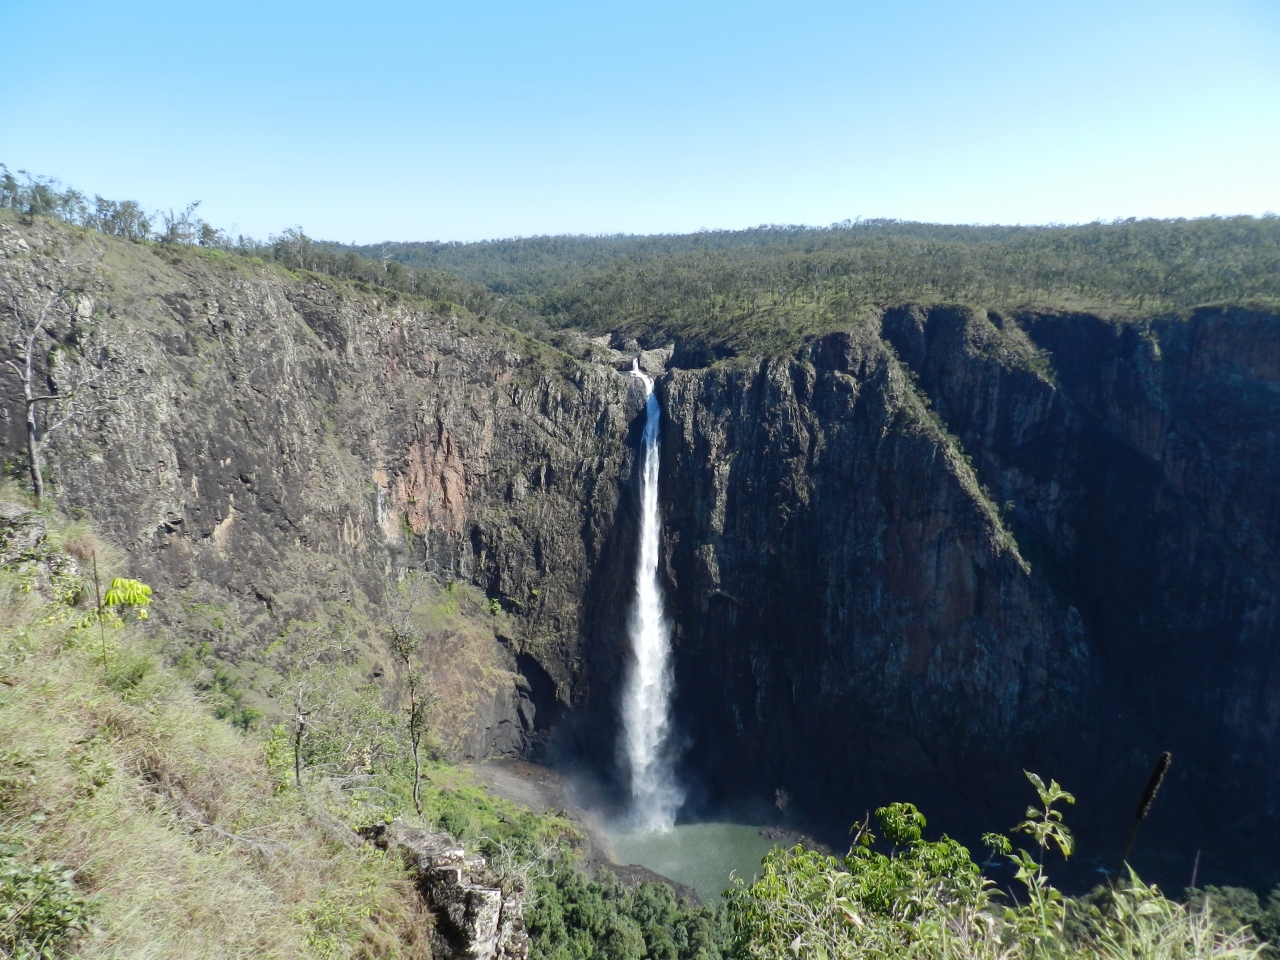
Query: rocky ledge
x: 474, y: 918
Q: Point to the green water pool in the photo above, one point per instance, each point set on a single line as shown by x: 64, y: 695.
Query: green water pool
x: 701, y: 855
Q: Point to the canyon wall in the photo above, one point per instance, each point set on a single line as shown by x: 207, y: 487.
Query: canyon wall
x: 283, y: 448
x: 905, y: 561
x: 921, y: 555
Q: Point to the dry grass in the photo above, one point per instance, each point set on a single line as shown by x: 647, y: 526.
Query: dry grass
x: 167, y: 814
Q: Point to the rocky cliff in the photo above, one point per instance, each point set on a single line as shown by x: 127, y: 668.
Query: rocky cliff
x: 948, y: 544
x: 282, y: 447
x: 840, y: 573
x: 904, y: 561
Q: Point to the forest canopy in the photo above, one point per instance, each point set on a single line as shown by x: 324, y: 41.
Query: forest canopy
x: 763, y: 288
x: 758, y: 290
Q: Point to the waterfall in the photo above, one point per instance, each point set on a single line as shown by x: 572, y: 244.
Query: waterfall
x: 646, y: 702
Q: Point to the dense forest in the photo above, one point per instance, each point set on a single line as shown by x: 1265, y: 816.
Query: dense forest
x: 765, y: 287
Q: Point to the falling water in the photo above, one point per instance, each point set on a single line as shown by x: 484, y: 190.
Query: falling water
x: 646, y: 701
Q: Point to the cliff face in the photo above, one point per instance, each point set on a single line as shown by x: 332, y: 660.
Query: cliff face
x: 904, y: 562
x: 1150, y: 501
x: 287, y: 448
x: 838, y: 573
x: 1092, y: 582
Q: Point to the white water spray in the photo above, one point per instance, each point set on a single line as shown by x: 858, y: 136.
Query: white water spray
x: 646, y: 702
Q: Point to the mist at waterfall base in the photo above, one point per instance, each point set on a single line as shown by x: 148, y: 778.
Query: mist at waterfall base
x: 617, y: 763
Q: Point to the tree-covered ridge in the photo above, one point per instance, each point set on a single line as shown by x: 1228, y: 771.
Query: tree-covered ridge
x: 753, y: 291
x: 538, y: 265
x: 761, y: 289
x: 762, y: 297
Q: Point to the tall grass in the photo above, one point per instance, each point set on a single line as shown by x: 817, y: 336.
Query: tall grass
x: 166, y: 817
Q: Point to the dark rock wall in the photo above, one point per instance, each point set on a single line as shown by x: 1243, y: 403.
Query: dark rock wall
x: 865, y: 613
x: 854, y: 621
x: 286, y: 447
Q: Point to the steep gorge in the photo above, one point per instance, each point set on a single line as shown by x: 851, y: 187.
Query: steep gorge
x: 948, y: 544
x: 903, y: 562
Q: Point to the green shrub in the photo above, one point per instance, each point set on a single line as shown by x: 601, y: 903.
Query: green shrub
x: 41, y: 908
x: 927, y: 899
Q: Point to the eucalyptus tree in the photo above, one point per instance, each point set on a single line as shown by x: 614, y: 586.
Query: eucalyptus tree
x: 406, y: 639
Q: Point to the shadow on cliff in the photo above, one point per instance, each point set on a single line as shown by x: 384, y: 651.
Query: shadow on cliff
x: 909, y: 568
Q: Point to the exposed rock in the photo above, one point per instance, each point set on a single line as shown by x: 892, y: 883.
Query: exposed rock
x: 1138, y: 465
x: 654, y: 362
x: 282, y: 446
x: 474, y: 920
x: 25, y: 549
x: 883, y: 617
x: 839, y: 578
x: 22, y: 531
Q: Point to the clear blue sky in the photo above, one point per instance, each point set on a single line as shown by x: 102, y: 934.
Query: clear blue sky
x: 468, y: 120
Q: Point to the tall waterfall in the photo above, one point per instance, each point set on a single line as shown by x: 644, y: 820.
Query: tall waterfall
x: 646, y: 702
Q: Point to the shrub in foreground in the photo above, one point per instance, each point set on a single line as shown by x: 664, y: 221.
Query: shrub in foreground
x: 928, y: 899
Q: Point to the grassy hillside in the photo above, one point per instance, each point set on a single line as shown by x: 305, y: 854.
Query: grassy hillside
x: 134, y: 823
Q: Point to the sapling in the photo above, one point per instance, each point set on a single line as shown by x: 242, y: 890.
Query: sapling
x: 404, y: 643
x: 1045, y: 826
x: 122, y: 596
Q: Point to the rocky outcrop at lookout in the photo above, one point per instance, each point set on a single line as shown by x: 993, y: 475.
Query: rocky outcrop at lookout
x: 475, y: 918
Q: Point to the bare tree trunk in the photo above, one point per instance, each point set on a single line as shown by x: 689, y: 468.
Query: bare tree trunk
x: 299, y: 728
x: 297, y: 756
x: 35, y: 314
x: 30, y: 400
x: 414, y: 734
x: 417, y: 780
x: 33, y: 449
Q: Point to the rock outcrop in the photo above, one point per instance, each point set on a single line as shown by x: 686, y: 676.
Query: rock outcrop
x: 926, y: 553
x: 286, y: 447
x: 25, y: 549
x: 475, y: 919
x: 837, y: 570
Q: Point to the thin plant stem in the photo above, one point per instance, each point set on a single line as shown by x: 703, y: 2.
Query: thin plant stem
x: 97, y: 591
